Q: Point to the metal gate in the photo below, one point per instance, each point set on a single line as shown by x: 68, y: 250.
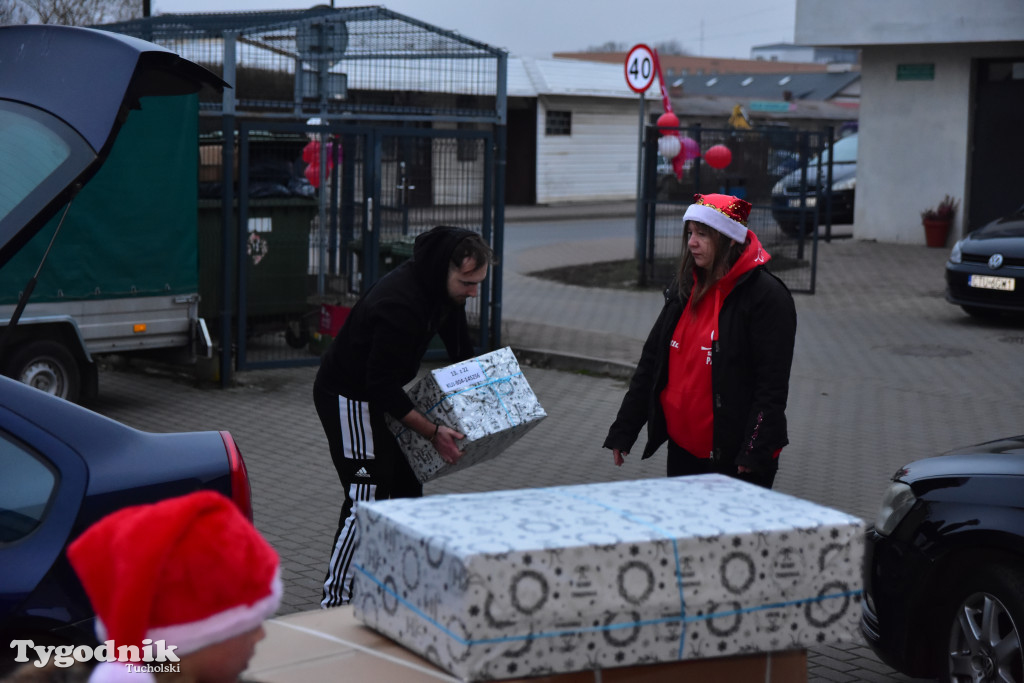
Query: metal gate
x: 363, y: 195
x: 774, y: 170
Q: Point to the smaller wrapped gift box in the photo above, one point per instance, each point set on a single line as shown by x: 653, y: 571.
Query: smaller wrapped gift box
x: 487, y: 398
x: 513, y: 584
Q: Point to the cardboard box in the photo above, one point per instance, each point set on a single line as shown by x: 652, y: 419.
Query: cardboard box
x: 539, y: 581
x: 324, y: 646
x: 487, y: 398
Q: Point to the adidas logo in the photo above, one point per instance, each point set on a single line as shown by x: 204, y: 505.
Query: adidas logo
x: 361, y: 472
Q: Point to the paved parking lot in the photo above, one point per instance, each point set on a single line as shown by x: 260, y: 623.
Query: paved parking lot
x: 885, y: 372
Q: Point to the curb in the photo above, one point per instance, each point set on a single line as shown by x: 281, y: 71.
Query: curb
x: 569, y: 211
x: 553, y: 360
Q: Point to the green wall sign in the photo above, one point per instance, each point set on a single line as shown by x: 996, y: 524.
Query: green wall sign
x: 915, y: 72
x: 769, y: 106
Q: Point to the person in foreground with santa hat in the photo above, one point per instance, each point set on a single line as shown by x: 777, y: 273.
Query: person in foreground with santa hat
x: 186, y: 583
x: 713, y: 376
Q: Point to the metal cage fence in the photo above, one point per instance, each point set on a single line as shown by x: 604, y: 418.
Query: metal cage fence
x: 367, y: 62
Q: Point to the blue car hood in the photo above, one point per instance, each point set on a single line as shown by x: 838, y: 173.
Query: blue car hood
x: 1003, y: 457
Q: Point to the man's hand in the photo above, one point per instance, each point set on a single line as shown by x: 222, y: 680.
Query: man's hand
x: 619, y: 456
x: 445, y: 445
x: 440, y: 437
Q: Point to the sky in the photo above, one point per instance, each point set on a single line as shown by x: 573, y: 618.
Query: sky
x: 538, y: 28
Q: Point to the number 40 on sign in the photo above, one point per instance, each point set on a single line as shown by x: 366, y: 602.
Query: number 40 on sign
x: 640, y: 68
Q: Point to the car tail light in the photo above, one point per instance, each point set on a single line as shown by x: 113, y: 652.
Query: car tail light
x: 241, y: 493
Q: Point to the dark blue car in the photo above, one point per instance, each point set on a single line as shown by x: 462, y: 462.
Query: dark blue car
x: 64, y: 93
x: 944, y: 566
x: 801, y: 200
x: 985, y: 270
x: 64, y: 467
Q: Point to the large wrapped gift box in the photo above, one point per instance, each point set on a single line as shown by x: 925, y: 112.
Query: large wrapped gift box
x: 487, y: 398
x: 520, y: 583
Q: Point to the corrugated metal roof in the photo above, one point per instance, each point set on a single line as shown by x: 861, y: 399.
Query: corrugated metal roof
x: 700, y: 106
x: 819, y: 87
x: 707, y: 65
x: 529, y: 77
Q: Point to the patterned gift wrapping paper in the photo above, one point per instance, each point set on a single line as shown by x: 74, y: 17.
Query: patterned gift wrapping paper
x: 540, y: 581
x: 487, y: 398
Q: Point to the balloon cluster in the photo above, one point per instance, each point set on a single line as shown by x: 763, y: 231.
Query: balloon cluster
x: 671, y: 144
x: 311, y: 155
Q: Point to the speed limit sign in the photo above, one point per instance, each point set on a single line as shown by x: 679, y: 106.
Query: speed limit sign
x: 640, y: 68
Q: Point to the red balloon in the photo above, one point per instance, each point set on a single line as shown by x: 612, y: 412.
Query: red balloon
x: 718, y: 156
x: 311, y: 152
x: 312, y: 174
x: 667, y: 122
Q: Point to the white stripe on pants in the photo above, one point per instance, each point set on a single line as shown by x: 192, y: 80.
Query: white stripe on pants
x: 357, y: 440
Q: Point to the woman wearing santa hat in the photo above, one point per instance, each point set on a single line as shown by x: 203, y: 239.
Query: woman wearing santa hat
x: 713, y: 377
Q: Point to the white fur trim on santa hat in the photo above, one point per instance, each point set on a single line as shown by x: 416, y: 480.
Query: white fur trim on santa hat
x: 734, y: 230
x: 215, y: 628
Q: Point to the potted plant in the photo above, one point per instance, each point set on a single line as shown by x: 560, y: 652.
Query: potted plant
x: 937, y: 220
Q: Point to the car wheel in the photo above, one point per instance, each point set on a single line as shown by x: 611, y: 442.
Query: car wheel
x: 47, y: 366
x: 984, y: 627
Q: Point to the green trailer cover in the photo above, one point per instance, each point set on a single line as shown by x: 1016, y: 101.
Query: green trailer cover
x: 131, y: 231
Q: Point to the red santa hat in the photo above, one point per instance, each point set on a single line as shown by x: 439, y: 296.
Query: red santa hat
x: 723, y: 212
x: 191, y: 571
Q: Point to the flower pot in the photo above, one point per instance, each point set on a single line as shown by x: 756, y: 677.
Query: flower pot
x: 936, y: 232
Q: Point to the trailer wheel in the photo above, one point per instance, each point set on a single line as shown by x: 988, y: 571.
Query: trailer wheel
x: 47, y: 366
x: 296, y: 334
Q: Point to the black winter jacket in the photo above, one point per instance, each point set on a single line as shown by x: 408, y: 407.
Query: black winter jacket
x: 379, y: 348
x: 751, y: 361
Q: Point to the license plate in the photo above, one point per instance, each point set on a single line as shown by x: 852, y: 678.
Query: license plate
x: 810, y: 201
x: 1005, y: 284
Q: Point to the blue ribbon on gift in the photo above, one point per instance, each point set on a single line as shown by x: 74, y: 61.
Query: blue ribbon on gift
x: 482, y: 385
x: 488, y: 383
x: 681, y: 619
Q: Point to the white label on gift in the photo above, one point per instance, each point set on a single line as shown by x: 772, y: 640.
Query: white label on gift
x: 459, y: 377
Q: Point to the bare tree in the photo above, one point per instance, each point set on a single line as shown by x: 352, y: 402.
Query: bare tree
x: 667, y: 47
x: 71, y: 12
x: 12, y: 13
x: 610, y: 46
x: 670, y: 47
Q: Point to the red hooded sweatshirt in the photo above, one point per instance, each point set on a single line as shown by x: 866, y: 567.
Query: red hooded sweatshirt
x: 686, y: 398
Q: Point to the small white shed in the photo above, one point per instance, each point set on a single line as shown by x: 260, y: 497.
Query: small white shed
x: 585, y: 123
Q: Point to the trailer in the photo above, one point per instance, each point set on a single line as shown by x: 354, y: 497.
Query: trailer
x: 117, y: 272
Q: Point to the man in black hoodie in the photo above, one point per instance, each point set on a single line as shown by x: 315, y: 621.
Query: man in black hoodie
x: 376, y: 353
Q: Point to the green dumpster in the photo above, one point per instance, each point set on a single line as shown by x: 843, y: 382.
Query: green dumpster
x: 390, y: 254
x: 276, y: 259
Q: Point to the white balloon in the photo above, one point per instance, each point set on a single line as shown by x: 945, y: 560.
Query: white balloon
x: 669, y: 146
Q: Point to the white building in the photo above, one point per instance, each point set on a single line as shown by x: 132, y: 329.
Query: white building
x: 941, y: 107
x: 573, y: 131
